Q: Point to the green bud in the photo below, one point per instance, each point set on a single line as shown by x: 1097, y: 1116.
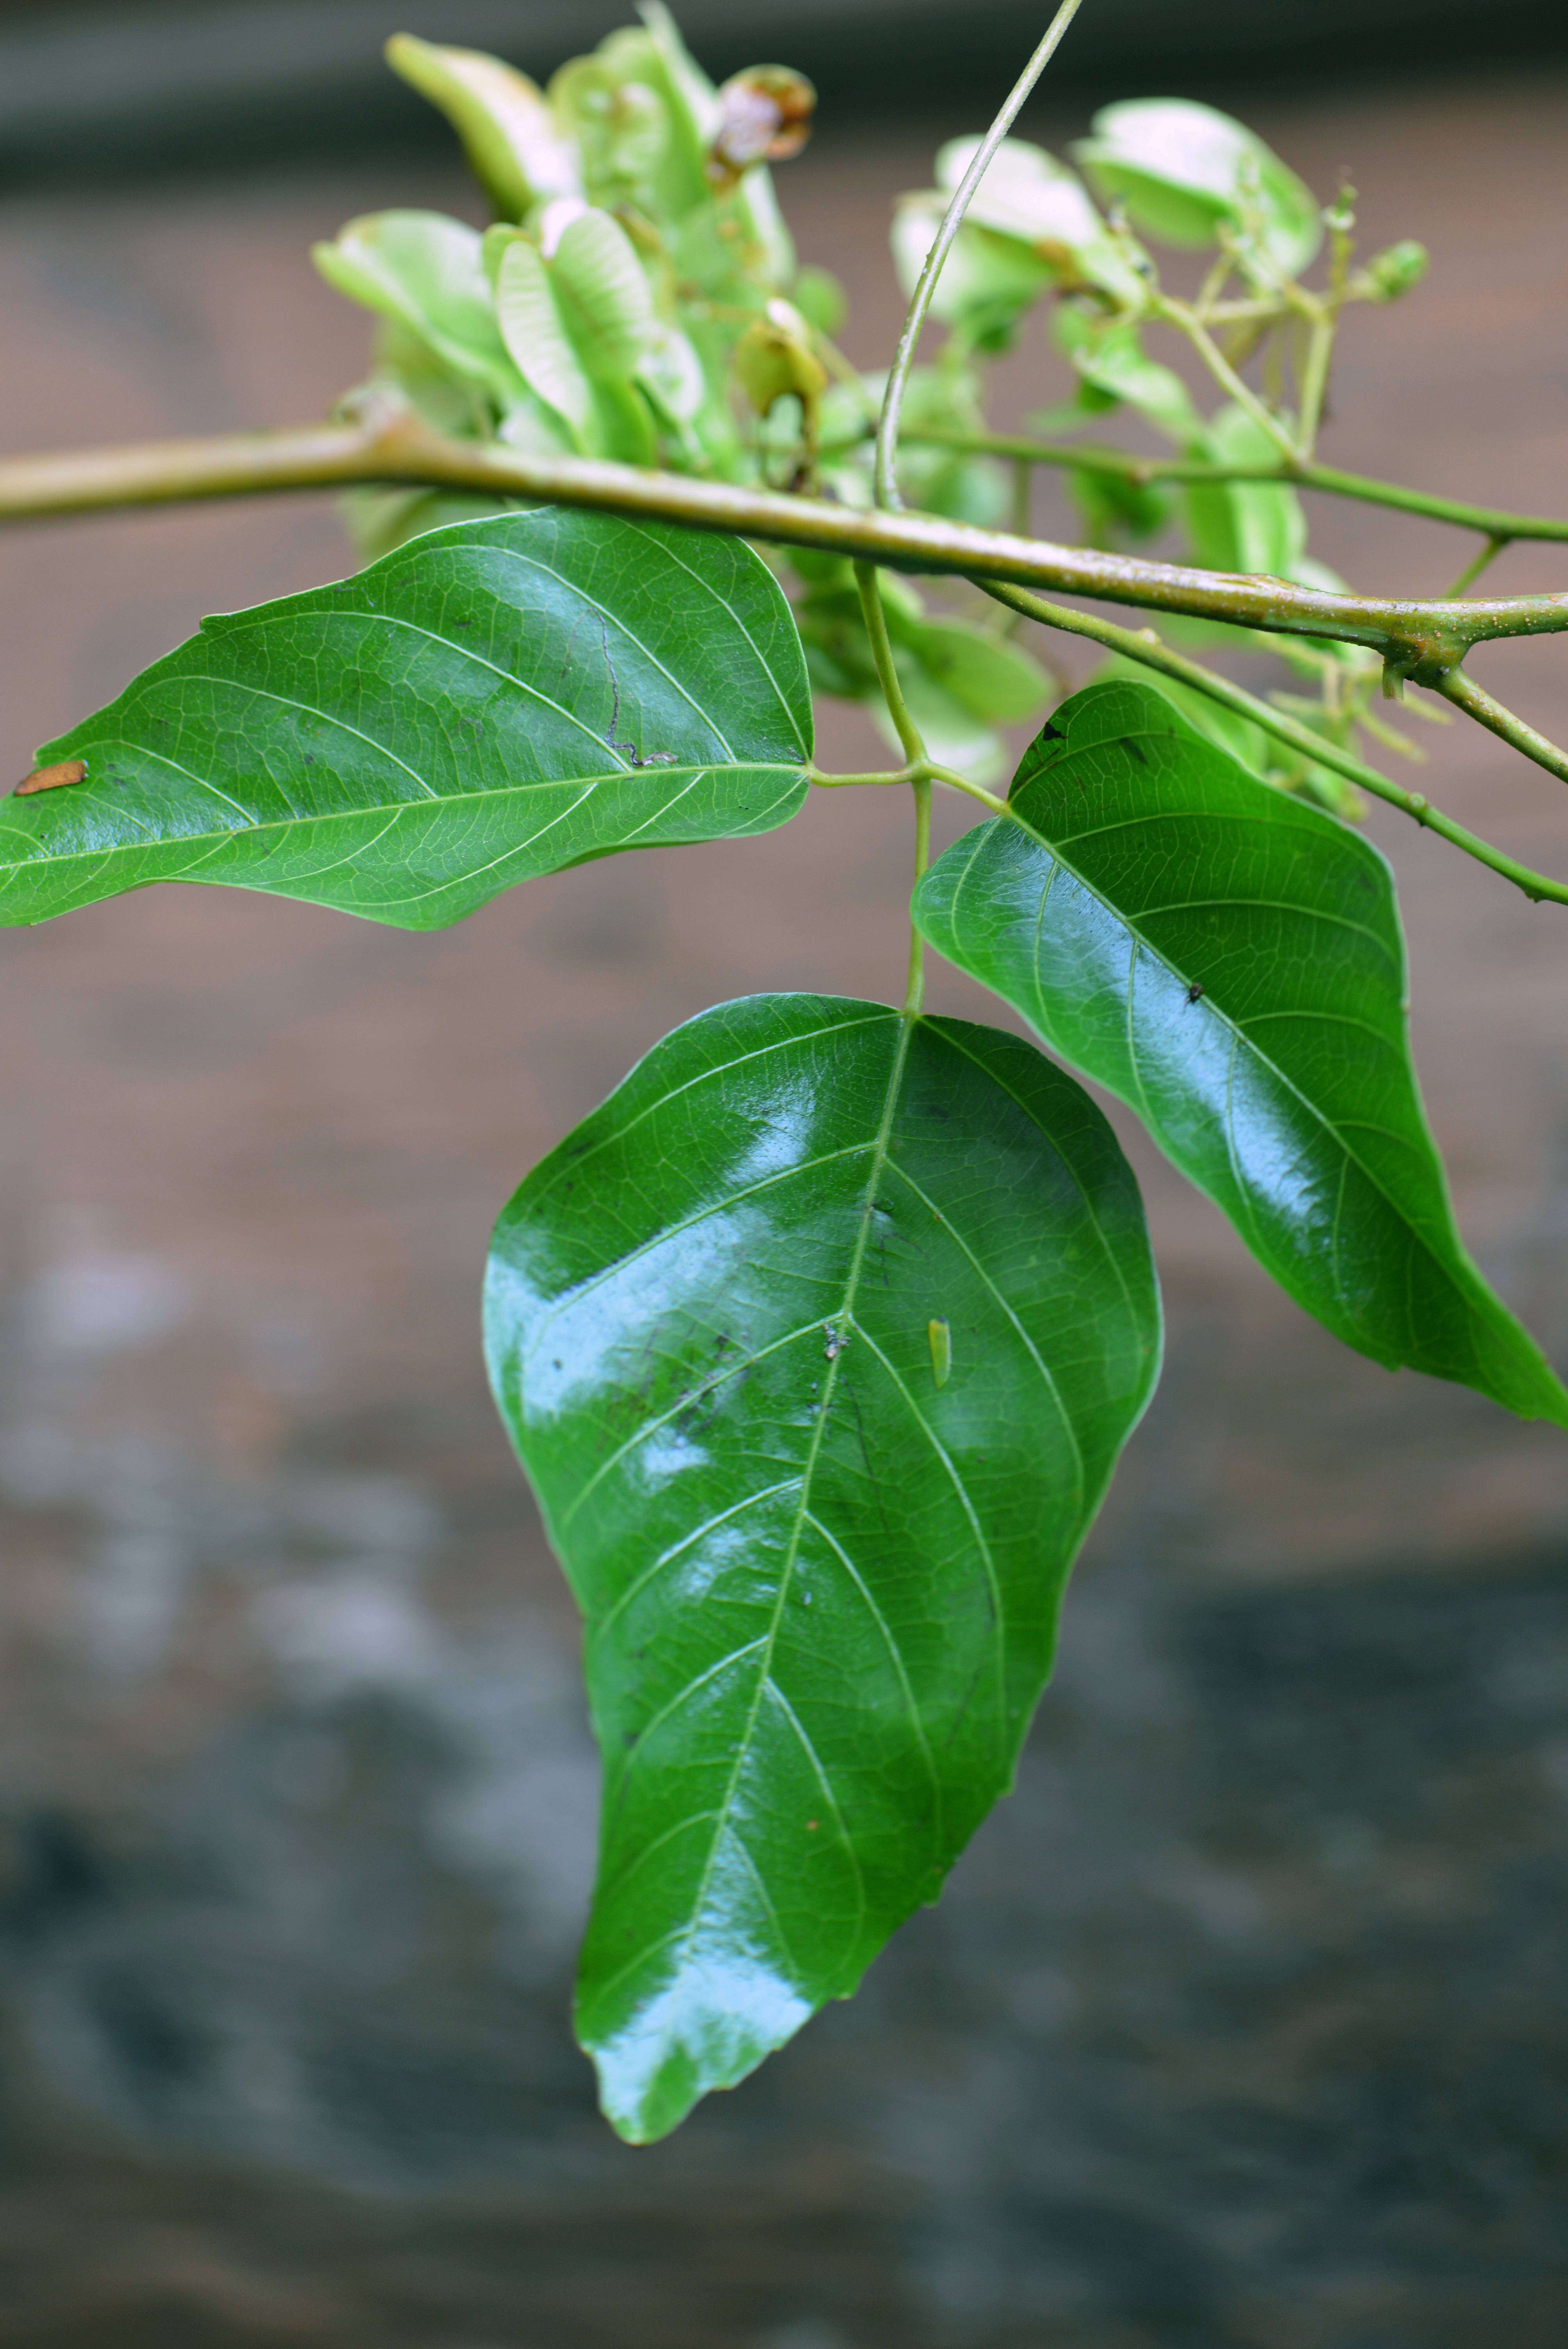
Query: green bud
x: 774, y: 356
x: 1396, y: 270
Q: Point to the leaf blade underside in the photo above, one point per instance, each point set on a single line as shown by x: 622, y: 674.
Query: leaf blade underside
x: 1228, y: 962
x: 820, y: 1572
x: 468, y: 712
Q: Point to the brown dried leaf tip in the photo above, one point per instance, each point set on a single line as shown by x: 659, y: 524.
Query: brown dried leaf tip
x: 49, y: 779
x: 766, y: 117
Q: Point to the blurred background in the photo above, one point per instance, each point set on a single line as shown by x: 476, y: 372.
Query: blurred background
x: 1242, y: 2024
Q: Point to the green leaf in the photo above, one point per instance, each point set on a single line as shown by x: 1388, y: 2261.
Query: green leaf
x: 987, y: 674
x: 1112, y: 361
x: 620, y: 125
x: 696, y: 116
x: 509, y: 135
x: 536, y: 336
x: 468, y: 712
x: 987, y: 282
x: 425, y: 272
x: 1228, y: 962
x: 1114, y: 509
x: 1252, y: 526
x: 600, y: 283
x: 578, y: 326
x: 819, y: 1541
x: 821, y: 299
x: 1182, y: 171
x: 1237, y: 736
x: 696, y: 112
x: 1027, y: 195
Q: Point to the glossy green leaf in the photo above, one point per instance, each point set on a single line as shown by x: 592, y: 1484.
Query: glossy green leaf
x: 488, y: 703
x: 1228, y: 962
x: 1235, y: 735
x: 820, y: 1554
x: 1181, y: 170
x: 509, y: 135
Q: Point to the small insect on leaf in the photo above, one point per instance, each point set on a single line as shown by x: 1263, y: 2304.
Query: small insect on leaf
x: 49, y: 779
x: 1196, y: 990
x: 940, y: 1339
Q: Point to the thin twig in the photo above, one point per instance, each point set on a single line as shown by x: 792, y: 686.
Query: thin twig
x: 1478, y: 564
x: 1177, y: 315
x: 908, y: 732
x: 1146, y: 648
x: 1477, y: 703
x: 1091, y: 458
x: 925, y: 285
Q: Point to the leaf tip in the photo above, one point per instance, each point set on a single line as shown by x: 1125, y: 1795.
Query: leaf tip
x: 705, y: 2026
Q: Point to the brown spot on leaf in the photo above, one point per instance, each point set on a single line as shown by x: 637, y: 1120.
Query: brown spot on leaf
x: 49, y: 779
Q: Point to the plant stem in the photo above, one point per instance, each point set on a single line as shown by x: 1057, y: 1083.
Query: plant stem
x: 1089, y: 457
x: 1477, y: 703
x: 815, y: 775
x: 956, y: 782
x: 1473, y: 569
x: 1145, y: 646
x: 952, y: 220
x: 1177, y: 315
x: 1022, y: 514
x: 908, y: 732
x: 914, y: 752
x: 915, y: 989
x: 1314, y: 379
x: 392, y: 447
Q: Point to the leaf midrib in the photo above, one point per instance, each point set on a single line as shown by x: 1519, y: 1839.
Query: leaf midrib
x: 371, y: 811
x: 719, y: 1818
x: 879, y: 1146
